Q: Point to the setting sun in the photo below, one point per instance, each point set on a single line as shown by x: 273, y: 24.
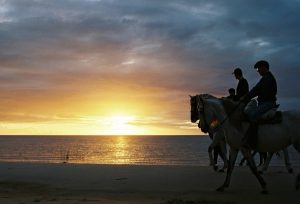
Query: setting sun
x: 119, y: 125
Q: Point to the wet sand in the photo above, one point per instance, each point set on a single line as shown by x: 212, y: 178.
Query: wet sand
x: 84, y: 183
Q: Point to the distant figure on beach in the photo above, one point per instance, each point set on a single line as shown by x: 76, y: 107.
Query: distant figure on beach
x: 231, y: 92
x: 265, y: 91
x: 242, y: 88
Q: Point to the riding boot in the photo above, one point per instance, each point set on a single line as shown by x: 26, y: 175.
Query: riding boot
x: 250, y: 138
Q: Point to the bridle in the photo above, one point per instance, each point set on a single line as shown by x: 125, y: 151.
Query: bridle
x: 200, y: 104
x: 200, y: 110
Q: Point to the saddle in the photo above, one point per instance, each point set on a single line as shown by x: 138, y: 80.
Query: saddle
x: 272, y: 116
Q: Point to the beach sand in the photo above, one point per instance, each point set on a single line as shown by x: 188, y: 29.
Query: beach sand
x: 112, y: 184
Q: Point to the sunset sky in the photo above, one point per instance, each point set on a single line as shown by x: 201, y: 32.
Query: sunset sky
x: 128, y: 66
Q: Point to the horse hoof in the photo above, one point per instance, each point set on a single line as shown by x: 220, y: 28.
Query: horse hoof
x: 215, y: 168
x: 264, y: 192
x: 291, y: 171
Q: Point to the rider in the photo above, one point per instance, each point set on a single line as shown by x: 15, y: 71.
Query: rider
x: 231, y: 95
x: 242, y: 88
x: 265, y: 90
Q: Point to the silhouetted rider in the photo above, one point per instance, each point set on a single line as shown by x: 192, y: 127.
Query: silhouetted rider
x: 242, y: 88
x: 265, y: 91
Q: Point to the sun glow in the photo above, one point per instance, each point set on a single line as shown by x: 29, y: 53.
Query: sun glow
x: 119, y: 125
x: 132, y: 111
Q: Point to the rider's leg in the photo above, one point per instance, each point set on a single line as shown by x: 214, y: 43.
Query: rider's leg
x: 254, y: 112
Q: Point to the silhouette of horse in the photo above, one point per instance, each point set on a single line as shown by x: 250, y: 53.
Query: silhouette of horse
x: 262, y: 158
x: 265, y: 157
x: 228, y: 115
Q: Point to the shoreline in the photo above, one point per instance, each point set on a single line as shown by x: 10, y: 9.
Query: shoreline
x: 17, y: 162
x: 94, y: 183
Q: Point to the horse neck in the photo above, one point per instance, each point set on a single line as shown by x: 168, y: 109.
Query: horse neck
x: 233, y: 129
x: 218, y: 110
x: 233, y: 134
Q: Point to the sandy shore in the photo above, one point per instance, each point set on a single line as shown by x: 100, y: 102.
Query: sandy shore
x: 77, y: 183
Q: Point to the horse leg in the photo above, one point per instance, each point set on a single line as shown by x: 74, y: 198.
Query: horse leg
x: 262, y: 158
x: 253, y: 156
x: 247, y: 154
x: 287, y: 161
x: 242, y: 161
x: 297, y: 147
x: 210, y: 154
x: 216, y: 154
x: 223, y: 154
x: 232, y: 159
x: 245, y: 159
x: 212, y: 159
x: 267, y: 162
x: 264, y: 154
x: 216, y: 139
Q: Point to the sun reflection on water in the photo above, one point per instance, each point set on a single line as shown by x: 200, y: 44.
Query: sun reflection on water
x: 121, y: 150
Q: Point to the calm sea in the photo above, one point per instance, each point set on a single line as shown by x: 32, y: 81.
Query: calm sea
x: 146, y: 150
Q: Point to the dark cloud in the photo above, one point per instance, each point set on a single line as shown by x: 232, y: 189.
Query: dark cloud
x: 190, y: 46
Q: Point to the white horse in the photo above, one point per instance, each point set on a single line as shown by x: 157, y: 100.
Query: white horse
x: 228, y: 115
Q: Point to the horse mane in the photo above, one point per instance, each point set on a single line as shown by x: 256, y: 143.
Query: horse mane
x: 228, y: 104
x: 216, y: 103
x: 208, y: 96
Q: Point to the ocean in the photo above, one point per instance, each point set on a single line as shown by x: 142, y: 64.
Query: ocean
x: 134, y: 150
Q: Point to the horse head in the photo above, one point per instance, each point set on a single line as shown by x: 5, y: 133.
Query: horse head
x: 200, y: 111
